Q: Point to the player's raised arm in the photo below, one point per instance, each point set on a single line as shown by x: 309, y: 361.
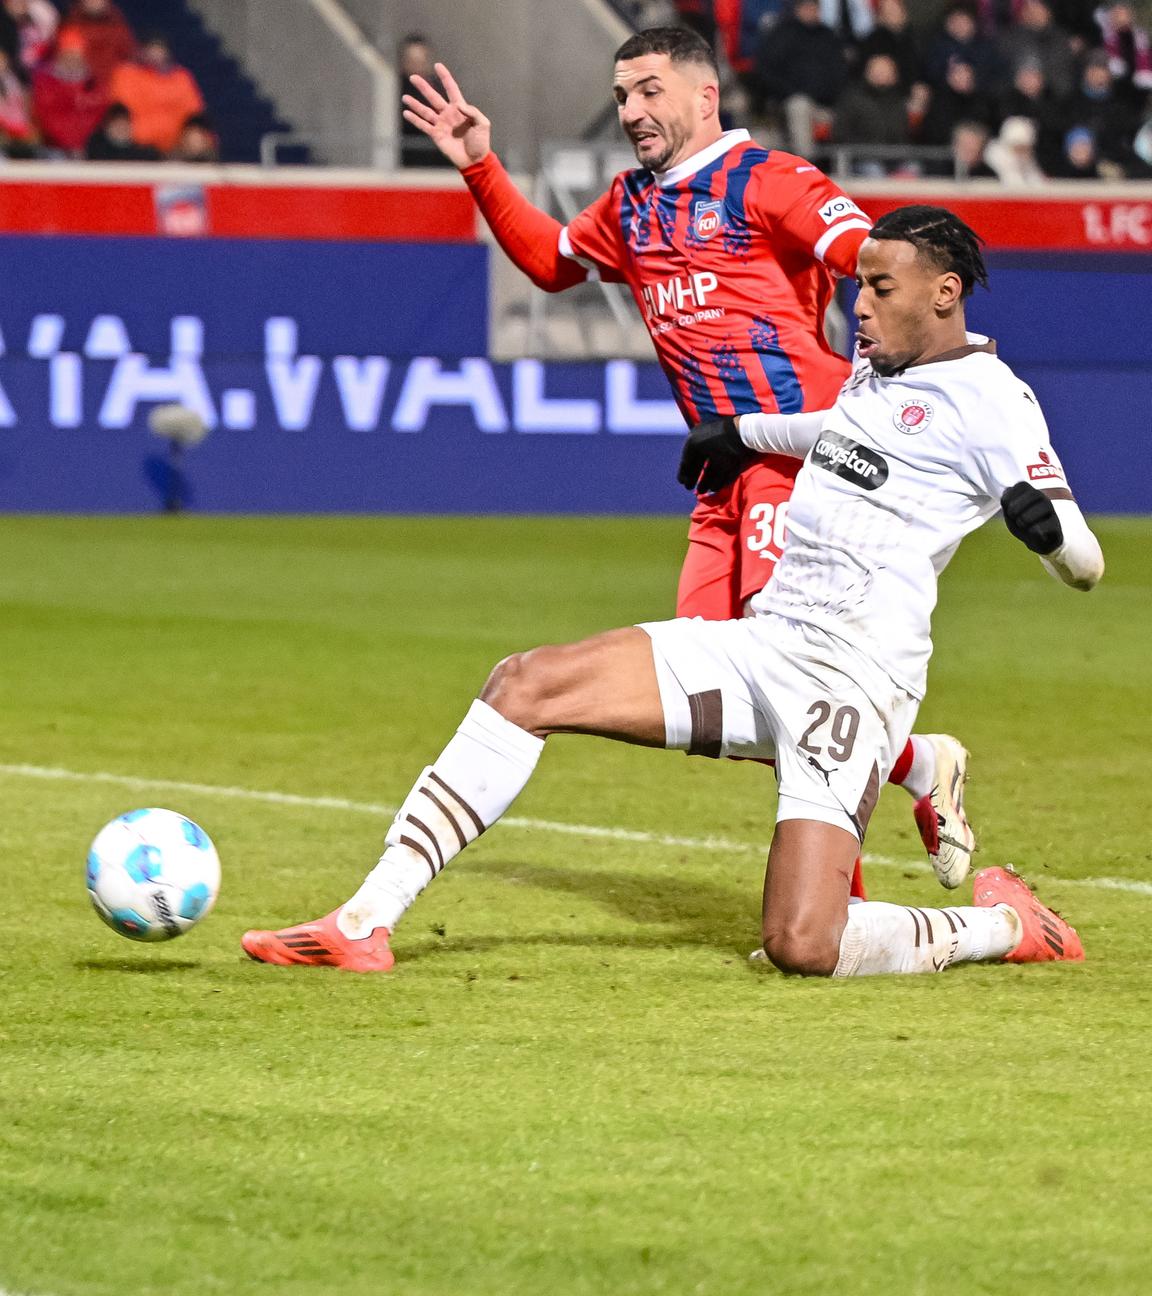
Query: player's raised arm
x: 529, y: 236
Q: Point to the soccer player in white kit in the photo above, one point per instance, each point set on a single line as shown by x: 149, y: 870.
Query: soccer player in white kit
x: 930, y: 437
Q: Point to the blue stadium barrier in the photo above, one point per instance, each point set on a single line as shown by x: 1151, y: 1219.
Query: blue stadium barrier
x: 354, y: 378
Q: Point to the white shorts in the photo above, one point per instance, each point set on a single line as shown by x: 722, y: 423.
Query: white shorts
x: 770, y: 687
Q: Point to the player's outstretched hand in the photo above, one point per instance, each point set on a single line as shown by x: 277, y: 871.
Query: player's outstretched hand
x: 458, y: 129
x: 1031, y: 517
x: 713, y: 456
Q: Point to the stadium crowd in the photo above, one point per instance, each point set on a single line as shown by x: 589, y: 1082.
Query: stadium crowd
x: 1019, y: 90
x: 78, y: 82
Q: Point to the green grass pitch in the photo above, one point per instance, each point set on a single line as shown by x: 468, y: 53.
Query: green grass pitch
x: 574, y: 1082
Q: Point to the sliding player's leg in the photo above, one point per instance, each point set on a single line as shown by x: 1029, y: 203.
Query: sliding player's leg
x: 604, y: 686
x: 809, y: 928
x: 932, y: 768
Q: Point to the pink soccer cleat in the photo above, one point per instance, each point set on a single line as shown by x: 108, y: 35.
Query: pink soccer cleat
x: 320, y: 943
x: 1046, y: 938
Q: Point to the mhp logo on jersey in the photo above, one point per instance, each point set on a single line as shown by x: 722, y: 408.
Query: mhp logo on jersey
x: 844, y: 458
x: 707, y: 218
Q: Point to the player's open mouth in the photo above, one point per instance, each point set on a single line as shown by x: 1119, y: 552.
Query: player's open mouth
x: 866, y: 346
x: 644, y: 137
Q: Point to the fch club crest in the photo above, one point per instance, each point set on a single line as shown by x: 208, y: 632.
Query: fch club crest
x: 707, y: 218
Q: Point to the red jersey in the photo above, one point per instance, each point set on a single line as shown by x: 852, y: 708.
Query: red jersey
x: 730, y: 257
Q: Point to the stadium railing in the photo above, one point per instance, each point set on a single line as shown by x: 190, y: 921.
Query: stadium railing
x: 320, y: 68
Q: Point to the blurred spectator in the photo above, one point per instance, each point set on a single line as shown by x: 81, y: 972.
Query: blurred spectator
x: 851, y: 20
x: 800, y: 72
x: 1128, y: 48
x: 969, y: 139
x: 1075, y: 17
x: 957, y: 100
x: 1097, y: 107
x: 27, y: 30
x: 874, y: 110
x: 700, y: 16
x: 66, y: 99
x: 108, y: 39
x: 1030, y: 97
x: 18, y: 135
x: 160, y: 94
x: 1080, y: 159
x: 197, y: 142
x: 1035, y: 38
x: 414, y: 58
x: 894, y: 37
x: 1012, y: 154
x: 1142, y: 144
x: 960, y: 41
x: 114, y: 141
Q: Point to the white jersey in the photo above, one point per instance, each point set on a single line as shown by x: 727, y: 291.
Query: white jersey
x: 903, y: 468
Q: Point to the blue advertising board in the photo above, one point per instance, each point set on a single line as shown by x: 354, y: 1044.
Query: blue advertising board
x: 355, y: 378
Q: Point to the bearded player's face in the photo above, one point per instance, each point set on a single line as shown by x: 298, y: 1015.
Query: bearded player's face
x: 663, y: 107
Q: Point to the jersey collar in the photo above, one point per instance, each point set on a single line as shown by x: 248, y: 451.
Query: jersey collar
x: 682, y: 170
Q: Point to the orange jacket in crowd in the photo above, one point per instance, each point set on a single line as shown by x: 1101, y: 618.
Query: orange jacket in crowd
x: 160, y: 101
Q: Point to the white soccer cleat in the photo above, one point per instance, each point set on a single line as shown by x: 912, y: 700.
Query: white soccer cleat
x: 944, y: 829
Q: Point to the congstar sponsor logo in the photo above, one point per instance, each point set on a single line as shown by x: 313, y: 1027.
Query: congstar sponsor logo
x: 844, y: 458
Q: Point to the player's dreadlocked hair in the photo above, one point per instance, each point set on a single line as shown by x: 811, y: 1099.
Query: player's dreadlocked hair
x: 939, y: 236
x: 680, y: 44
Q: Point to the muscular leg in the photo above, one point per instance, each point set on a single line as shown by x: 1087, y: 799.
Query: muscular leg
x: 604, y: 686
x: 809, y: 929
x: 806, y: 887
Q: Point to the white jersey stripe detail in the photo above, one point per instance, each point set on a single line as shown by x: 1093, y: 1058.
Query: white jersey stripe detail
x: 830, y: 236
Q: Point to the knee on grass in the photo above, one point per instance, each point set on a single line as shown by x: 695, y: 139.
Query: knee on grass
x: 797, y: 952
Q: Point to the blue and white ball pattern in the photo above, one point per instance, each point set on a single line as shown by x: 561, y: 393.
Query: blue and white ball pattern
x: 152, y: 874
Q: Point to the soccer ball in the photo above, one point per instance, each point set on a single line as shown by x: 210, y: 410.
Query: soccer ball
x: 152, y: 874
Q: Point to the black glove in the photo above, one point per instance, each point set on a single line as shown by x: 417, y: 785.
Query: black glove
x: 1030, y: 516
x: 713, y: 456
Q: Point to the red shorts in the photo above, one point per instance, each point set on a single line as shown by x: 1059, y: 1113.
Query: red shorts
x: 734, y: 540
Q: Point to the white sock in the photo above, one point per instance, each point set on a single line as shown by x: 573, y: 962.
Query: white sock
x: 923, y: 772
x: 472, y: 783
x: 894, y: 938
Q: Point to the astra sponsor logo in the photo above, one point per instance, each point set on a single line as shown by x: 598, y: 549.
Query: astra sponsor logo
x: 680, y: 293
x: 844, y: 458
x: 1046, y: 469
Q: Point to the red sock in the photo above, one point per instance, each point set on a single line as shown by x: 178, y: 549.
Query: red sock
x: 858, y: 892
x: 903, y: 764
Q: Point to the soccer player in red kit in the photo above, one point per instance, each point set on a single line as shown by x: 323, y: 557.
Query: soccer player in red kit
x: 730, y: 251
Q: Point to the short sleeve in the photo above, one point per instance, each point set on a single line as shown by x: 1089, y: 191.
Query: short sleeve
x: 595, y: 239
x: 1013, y: 445
x: 811, y: 212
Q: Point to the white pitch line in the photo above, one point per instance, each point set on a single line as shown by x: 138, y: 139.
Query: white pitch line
x: 379, y: 810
